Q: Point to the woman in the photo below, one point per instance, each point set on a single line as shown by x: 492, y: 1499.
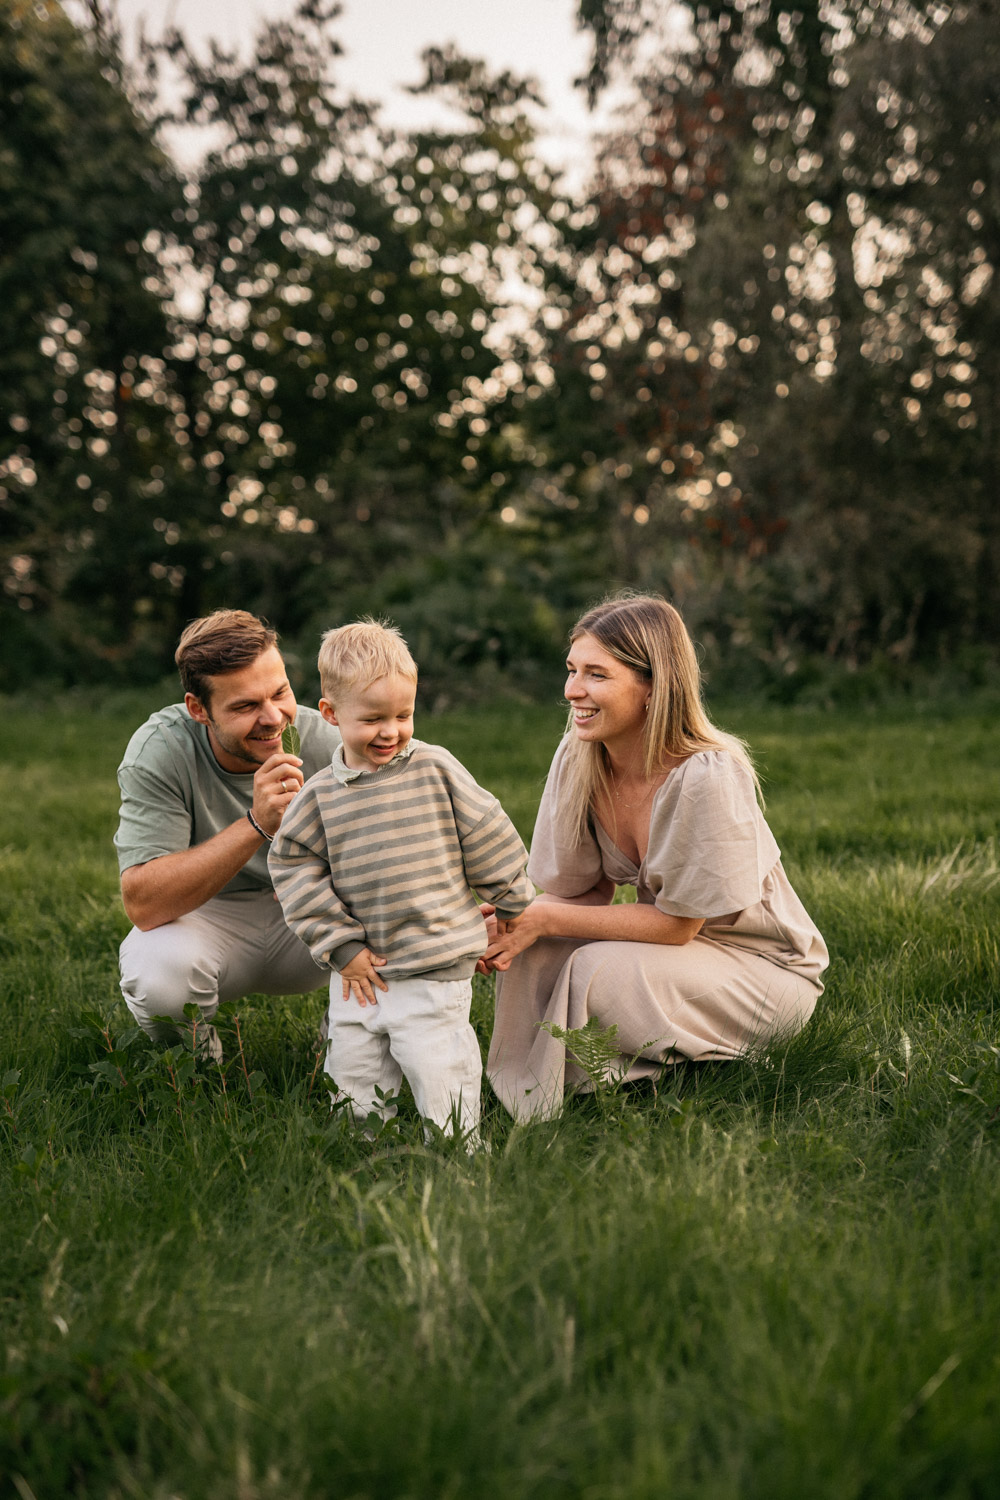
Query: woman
x: 717, y: 952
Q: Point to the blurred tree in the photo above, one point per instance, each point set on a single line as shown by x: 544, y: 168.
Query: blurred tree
x: 82, y: 184
x: 331, y: 370
x: 296, y: 394
x: 633, y: 419
x: 338, y: 373
x: 835, y: 259
x: 919, y: 138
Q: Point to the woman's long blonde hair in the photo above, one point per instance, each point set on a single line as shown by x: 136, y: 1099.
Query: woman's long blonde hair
x: 649, y: 637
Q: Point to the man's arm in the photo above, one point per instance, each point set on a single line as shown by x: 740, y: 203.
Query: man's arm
x: 163, y: 889
x: 167, y: 888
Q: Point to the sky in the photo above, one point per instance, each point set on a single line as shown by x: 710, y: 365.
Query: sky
x: 382, y: 41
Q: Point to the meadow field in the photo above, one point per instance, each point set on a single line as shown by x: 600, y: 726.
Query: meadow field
x: 776, y: 1278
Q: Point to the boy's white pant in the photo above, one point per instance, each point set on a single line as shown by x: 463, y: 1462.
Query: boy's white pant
x: 418, y: 1030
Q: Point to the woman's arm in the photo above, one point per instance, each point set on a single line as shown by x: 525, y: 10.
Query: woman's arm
x: 602, y: 894
x: 549, y: 916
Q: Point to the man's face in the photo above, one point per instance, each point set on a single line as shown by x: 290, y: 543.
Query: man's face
x: 246, y: 712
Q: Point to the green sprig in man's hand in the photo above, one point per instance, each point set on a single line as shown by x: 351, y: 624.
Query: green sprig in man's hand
x: 290, y: 742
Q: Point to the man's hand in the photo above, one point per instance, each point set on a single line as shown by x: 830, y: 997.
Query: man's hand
x: 361, y: 976
x: 274, y: 786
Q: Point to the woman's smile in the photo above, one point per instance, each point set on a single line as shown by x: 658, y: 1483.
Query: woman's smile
x: 608, y: 700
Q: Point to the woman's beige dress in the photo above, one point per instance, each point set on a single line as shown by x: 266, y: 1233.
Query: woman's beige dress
x: 751, y: 974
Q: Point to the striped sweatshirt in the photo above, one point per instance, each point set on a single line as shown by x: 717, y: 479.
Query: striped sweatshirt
x: 389, y: 861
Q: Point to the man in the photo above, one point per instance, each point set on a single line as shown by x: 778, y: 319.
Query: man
x: 205, y: 784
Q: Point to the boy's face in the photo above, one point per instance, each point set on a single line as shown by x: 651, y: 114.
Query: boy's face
x: 375, y: 722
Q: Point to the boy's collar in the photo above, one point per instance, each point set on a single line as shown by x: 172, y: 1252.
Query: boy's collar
x: 344, y: 773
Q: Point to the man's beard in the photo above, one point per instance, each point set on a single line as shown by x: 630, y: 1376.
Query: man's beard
x: 243, y: 749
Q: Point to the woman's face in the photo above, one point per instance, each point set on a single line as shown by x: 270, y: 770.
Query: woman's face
x: 607, y: 698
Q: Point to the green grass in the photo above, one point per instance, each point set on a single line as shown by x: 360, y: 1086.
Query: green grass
x: 775, y: 1278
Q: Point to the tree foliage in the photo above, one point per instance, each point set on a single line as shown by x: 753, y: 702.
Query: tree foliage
x: 819, y: 204
x: 332, y: 369
x: 82, y: 183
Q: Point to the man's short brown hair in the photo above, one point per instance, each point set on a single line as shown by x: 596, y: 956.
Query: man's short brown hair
x: 219, y: 643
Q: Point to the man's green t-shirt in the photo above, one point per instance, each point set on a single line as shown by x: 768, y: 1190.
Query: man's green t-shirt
x: 175, y: 794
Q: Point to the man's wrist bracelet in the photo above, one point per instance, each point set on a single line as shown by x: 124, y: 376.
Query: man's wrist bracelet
x: 256, y: 826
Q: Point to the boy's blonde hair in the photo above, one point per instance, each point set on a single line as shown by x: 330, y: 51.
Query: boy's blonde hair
x: 355, y: 656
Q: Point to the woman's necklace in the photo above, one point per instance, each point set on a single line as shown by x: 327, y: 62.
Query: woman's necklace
x: 648, y: 789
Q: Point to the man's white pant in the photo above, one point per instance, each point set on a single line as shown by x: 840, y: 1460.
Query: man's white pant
x: 418, y: 1030
x: 234, y: 945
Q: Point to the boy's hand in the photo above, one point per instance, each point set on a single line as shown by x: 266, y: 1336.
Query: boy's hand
x: 495, y: 927
x: 360, y: 977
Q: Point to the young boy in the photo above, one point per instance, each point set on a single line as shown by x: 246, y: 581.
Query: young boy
x: 373, y: 865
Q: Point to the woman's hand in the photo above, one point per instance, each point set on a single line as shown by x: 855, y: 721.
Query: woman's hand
x: 515, y: 935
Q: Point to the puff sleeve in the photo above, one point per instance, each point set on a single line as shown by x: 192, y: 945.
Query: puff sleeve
x: 710, y: 850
